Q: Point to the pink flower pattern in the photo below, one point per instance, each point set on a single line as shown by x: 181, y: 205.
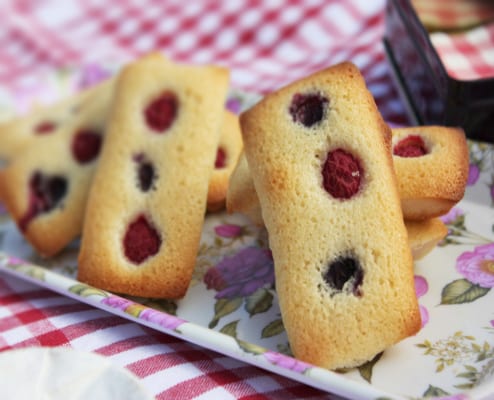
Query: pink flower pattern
x: 117, y: 302
x: 286, y: 362
x: 241, y: 274
x: 452, y: 216
x: 15, y: 261
x: 234, y: 104
x: 477, y: 266
x: 163, y: 319
x: 421, y: 288
x: 473, y: 174
x: 228, y: 230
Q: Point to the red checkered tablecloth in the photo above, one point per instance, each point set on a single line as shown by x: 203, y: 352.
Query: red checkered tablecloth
x: 467, y: 55
x: 265, y: 44
x: 462, y: 33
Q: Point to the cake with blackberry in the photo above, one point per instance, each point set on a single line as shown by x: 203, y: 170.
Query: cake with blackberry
x: 320, y: 157
x: 148, y: 199
x: 45, y: 186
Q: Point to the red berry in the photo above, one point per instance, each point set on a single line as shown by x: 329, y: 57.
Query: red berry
x: 342, y: 174
x: 307, y: 109
x: 161, y: 112
x: 141, y: 240
x: 86, y: 146
x: 44, y: 127
x: 45, y: 193
x: 411, y: 146
x: 220, y: 161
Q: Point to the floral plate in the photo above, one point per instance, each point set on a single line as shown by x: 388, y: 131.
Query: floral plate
x: 231, y: 306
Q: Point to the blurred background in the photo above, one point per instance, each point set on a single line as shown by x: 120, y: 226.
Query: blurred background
x: 265, y: 43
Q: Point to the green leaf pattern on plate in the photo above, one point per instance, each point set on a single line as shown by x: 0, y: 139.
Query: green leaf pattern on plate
x: 474, y: 360
x: 235, y: 270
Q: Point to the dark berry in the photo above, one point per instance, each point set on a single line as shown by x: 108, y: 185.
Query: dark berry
x: 345, y: 270
x: 86, y: 146
x: 141, y: 240
x: 342, y: 174
x: 307, y: 109
x: 161, y: 112
x: 411, y: 146
x: 220, y: 161
x: 45, y: 193
x: 145, y: 172
x: 146, y: 176
x: 44, y: 127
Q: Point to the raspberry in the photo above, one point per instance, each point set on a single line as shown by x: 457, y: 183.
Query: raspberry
x: 86, y: 146
x: 343, y: 270
x: 220, y: 161
x: 141, y: 240
x: 44, y: 127
x: 411, y: 146
x: 307, y: 109
x: 45, y: 193
x: 342, y: 174
x: 161, y: 112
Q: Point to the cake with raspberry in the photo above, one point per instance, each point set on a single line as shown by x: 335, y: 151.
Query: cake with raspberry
x: 44, y: 187
x: 431, y: 164
x: 229, y: 149
x: 41, y: 122
x: 147, y: 202
x: 423, y: 235
x: 320, y: 157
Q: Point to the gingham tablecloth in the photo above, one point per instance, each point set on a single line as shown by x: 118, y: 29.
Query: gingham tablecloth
x: 265, y: 44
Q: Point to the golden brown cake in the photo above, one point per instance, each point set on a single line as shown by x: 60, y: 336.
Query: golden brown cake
x: 319, y: 153
x: 432, y: 172
x: 147, y: 202
x: 424, y: 236
x: 229, y: 149
x: 45, y: 186
x: 41, y: 123
x: 431, y: 164
x: 241, y: 196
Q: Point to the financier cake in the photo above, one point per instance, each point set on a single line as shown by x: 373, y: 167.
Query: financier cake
x: 45, y: 185
x: 431, y: 164
x: 147, y: 203
x: 423, y: 234
x: 319, y: 154
x: 41, y: 123
x: 229, y: 149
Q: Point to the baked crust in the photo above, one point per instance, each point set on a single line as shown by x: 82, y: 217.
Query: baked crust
x: 183, y: 159
x: 231, y: 143
x: 308, y: 229
x: 51, y: 155
x: 432, y: 184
